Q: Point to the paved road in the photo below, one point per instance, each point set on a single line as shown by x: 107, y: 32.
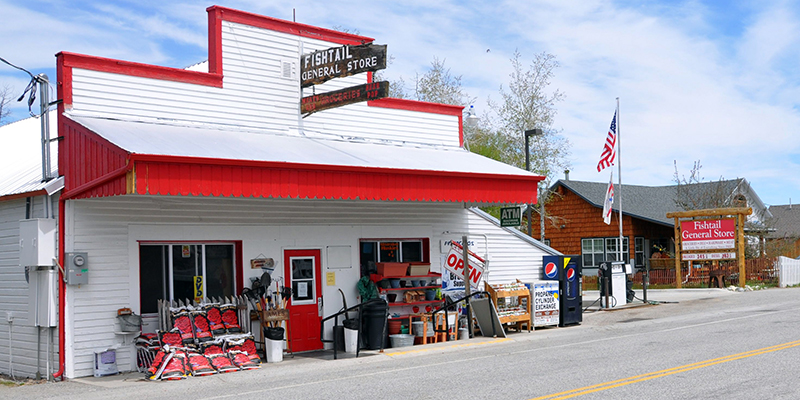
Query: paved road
x: 706, y: 344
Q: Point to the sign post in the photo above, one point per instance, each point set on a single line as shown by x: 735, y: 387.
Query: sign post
x: 697, y: 236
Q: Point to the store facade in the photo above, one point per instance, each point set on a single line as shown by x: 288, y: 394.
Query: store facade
x: 171, y: 174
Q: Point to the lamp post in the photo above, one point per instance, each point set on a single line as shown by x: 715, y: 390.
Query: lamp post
x: 528, y: 134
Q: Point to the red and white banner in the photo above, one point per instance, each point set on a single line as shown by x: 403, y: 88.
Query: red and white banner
x: 454, y: 262
x: 708, y: 234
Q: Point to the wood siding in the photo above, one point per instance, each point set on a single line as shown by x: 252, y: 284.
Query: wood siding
x: 15, y: 296
x: 109, y: 230
x: 581, y: 220
x: 255, y: 95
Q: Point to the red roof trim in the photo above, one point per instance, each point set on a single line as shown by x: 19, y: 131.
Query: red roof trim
x: 138, y: 69
x: 294, y: 28
x: 189, y: 176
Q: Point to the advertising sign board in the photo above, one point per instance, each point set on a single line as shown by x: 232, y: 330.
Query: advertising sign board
x: 708, y: 234
x: 338, y: 98
x: 545, y: 303
x: 510, y: 216
x: 454, y: 263
x: 336, y: 62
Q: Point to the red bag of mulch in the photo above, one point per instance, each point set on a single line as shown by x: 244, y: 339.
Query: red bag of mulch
x: 222, y: 363
x: 176, y: 367
x: 241, y: 360
x: 246, y: 344
x: 183, y: 322
x: 199, y: 365
x: 158, y: 360
x: 230, y: 318
x: 171, y: 338
x: 202, y: 329
x: 212, y: 348
x: 214, y: 316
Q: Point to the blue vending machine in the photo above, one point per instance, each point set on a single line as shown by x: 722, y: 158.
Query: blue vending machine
x: 567, y: 271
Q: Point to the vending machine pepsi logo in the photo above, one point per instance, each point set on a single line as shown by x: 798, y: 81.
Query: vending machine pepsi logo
x: 551, y: 270
x: 570, y: 274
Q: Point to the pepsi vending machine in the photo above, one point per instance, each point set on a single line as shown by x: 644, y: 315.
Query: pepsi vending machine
x: 567, y: 271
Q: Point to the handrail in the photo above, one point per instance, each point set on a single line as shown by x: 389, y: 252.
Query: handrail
x: 336, y: 323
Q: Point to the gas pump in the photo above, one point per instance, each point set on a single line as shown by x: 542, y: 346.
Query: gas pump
x: 613, y: 284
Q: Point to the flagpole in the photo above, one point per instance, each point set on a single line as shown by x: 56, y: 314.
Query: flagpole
x: 618, y: 193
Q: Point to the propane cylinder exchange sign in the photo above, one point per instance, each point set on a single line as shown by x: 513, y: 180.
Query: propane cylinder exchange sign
x: 545, y: 303
x: 708, y: 234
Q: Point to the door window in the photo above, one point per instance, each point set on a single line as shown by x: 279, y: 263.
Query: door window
x: 303, y: 288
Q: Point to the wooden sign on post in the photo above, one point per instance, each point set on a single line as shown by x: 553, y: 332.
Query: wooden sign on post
x: 701, y: 234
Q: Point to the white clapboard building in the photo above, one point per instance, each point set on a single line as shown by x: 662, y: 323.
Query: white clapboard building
x: 164, y: 175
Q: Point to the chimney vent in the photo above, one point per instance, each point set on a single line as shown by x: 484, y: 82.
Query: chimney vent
x: 566, y: 175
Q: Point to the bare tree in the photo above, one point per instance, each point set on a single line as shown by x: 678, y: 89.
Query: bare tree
x: 5, y: 101
x: 694, y: 194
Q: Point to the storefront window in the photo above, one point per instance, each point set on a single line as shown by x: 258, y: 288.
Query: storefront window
x: 391, y: 250
x: 638, y: 248
x: 592, y: 252
x: 169, y: 271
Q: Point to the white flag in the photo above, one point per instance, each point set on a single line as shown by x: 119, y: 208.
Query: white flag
x: 609, y: 201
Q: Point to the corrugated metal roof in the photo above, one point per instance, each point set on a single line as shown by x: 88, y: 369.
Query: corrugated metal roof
x: 21, y: 156
x: 309, y: 148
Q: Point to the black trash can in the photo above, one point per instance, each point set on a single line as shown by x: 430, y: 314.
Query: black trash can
x: 373, y: 321
x: 338, y: 337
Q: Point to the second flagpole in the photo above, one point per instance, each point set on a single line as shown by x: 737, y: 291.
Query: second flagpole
x: 618, y: 194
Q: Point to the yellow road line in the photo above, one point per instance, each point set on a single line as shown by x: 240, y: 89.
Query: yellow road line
x: 666, y: 372
x: 455, y: 346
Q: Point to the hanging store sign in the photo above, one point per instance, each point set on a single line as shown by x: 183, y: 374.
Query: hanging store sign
x: 510, y: 216
x: 336, y: 62
x: 708, y: 234
x: 338, y: 98
x: 454, y: 262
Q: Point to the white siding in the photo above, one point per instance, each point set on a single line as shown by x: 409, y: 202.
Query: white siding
x: 789, y: 271
x: 109, y: 230
x: 14, y: 297
x: 510, y: 257
x: 254, y: 96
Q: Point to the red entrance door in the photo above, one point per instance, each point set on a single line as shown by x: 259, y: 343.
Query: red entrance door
x: 302, y: 272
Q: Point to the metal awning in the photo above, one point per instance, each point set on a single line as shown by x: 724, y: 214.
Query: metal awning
x: 209, y: 161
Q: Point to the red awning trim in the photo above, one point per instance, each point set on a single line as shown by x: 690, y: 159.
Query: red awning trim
x: 187, y: 176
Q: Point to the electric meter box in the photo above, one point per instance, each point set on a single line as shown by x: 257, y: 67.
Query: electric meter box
x: 77, y: 267
x: 37, y: 242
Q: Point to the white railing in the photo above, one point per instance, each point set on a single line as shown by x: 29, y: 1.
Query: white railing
x: 789, y: 271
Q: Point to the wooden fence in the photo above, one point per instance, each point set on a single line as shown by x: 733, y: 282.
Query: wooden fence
x: 758, y: 270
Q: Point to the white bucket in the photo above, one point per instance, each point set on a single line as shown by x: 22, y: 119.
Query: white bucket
x: 350, y: 340
x: 417, y: 328
x: 274, y: 350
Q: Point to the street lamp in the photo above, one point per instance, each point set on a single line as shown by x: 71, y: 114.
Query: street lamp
x: 472, y: 118
x: 528, y: 134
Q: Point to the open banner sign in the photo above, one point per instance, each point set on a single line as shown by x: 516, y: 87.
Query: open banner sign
x: 454, y: 262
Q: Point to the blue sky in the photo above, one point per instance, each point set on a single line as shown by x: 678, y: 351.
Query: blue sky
x: 711, y: 81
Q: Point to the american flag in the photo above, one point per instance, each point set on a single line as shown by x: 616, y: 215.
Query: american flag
x: 610, y: 148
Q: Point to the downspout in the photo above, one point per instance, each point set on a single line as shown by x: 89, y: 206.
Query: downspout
x: 62, y: 289
x: 62, y: 286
